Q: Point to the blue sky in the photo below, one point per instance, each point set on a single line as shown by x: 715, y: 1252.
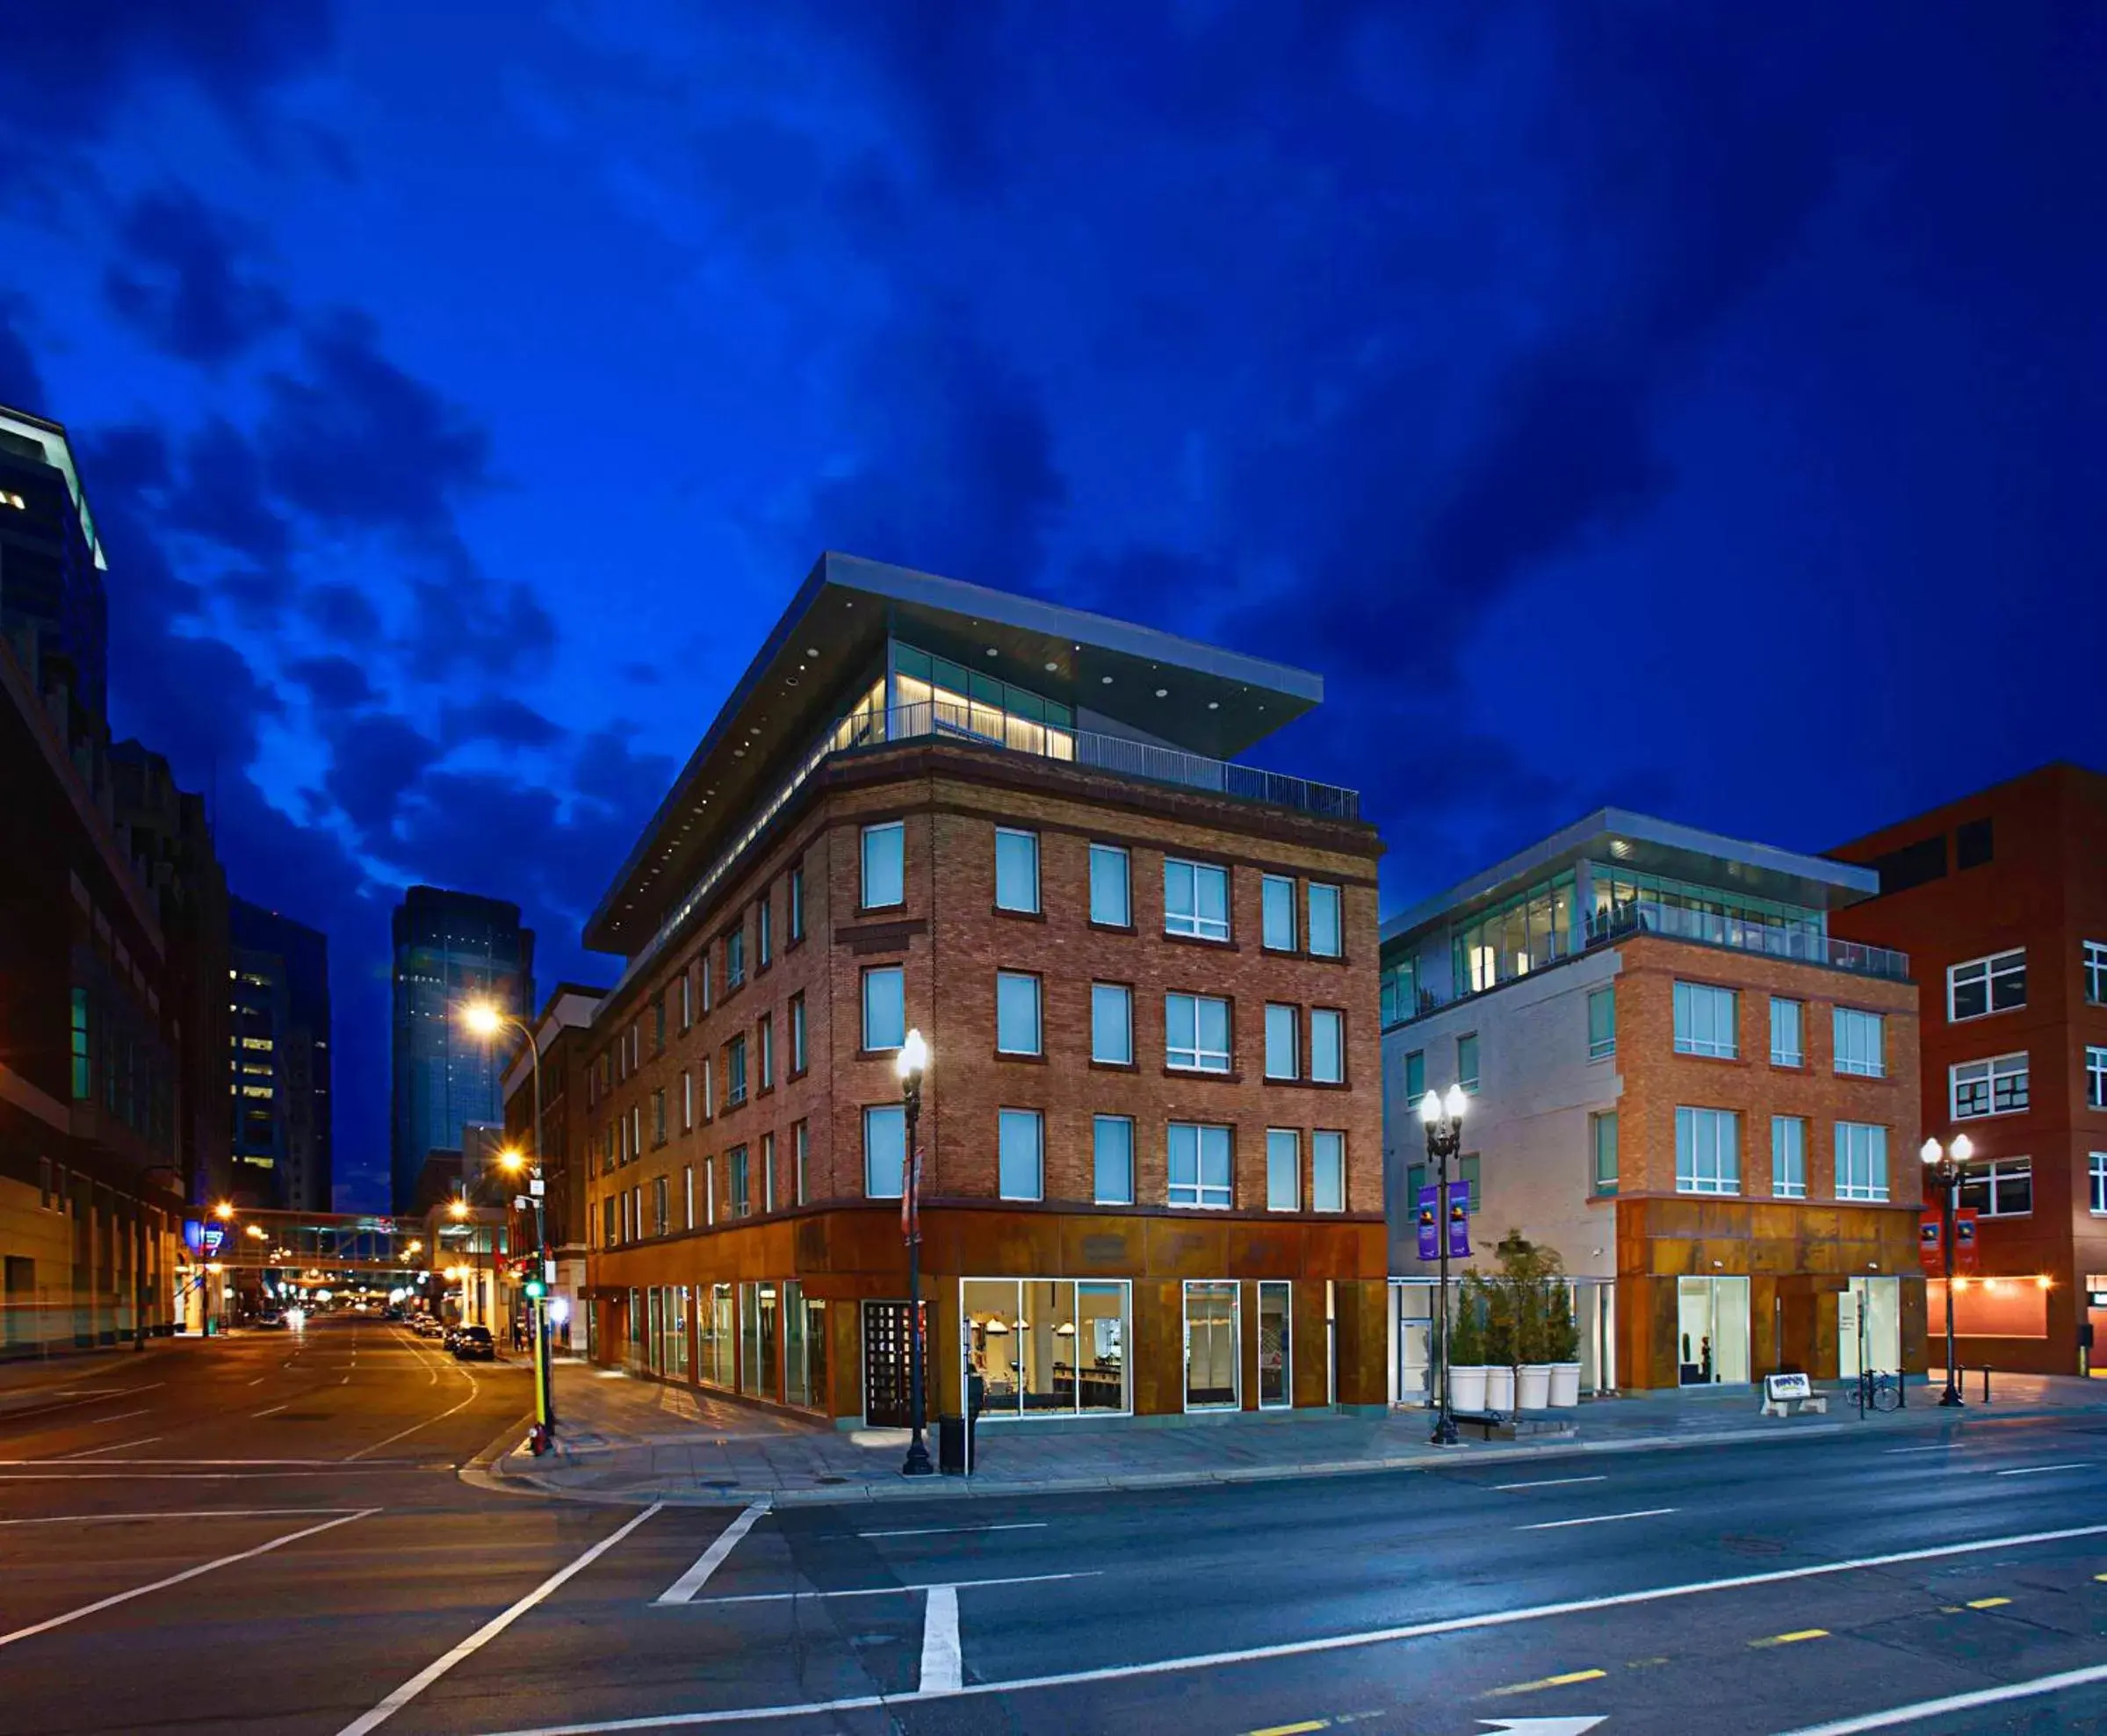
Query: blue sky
x: 1690, y: 408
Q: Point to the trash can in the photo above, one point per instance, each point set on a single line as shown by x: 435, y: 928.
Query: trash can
x: 951, y: 1445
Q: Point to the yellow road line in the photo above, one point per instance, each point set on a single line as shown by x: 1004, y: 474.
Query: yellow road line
x: 1549, y: 1682
x: 1302, y: 1729
x: 1792, y: 1639
x: 1988, y: 1602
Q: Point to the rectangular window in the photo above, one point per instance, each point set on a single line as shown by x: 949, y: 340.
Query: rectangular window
x: 2095, y: 972
x: 1467, y: 1061
x: 1861, y: 1043
x: 1998, y: 1086
x: 609, y: 1236
x: 701, y: 976
x: 884, y: 1007
x: 735, y: 958
x: 742, y: 1198
x: 1470, y: 1170
x: 2099, y: 1183
x: 801, y: 1141
x: 764, y: 932
x: 1045, y: 1347
x: 657, y: 1116
x: 1705, y: 1021
x: 1213, y: 1354
x: 1196, y: 1032
x: 1284, y: 1170
x: 83, y: 1080
x: 709, y: 1190
x: 2096, y: 1077
x: 1602, y: 1144
x: 1327, y: 1046
x: 1327, y: 1172
x: 688, y: 1196
x: 1788, y: 1033
x: 636, y: 1130
x: 765, y: 1030
x: 1196, y: 899
x: 1016, y: 1013
x: 1327, y: 922
x: 1602, y: 1023
x: 688, y: 998
x: 1861, y: 1160
x: 884, y: 867
x: 661, y: 1218
x: 1788, y: 1156
x: 1112, y: 1140
x: 1415, y: 1078
x: 1281, y: 1061
x: 1708, y: 1151
x: 768, y: 1172
x: 1016, y: 871
x: 1198, y: 1163
x: 2001, y: 1189
x: 1110, y: 906
x: 1276, y: 1344
x: 1276, y: 913
x: 708, y: 1091
x: 735, y: 1072
x: 1984, y: 985
x: 1112, y: 1024
x: 884, y: 1150
x: 1019, y: 1142
x: 799, y: 1060
x: 796, y: 904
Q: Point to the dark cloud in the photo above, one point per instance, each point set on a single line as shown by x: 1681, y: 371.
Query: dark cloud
x: 223, y: 497
x: 500, y: 718
x: 180, y: 279
x: 21, y: 387
x: 642, y: 675
x: 343, y: 612
x: 132, y: 459
x: 335, y: 683
x: 625, y: 786
x: 375, y: 761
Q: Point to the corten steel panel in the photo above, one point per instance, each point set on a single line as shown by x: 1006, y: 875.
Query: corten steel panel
x: 1363, y: 1342
x: 1159, y: 1373
x: 1310, y: 1337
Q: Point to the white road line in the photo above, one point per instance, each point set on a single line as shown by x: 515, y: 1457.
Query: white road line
x: 259, y: 1381
x: 943, y: 1670
x: 273, y: 1411
x: 195, y: 1513
x: 1343, y: 1642
x: 441, y: 1417
x: 2035, y: 1470
x: 1595, y: 1519
x: 489, y: 1631
x: 949, y: 1530
x: 114, y: 1446
x: 682, y: 1590
x: 121, y: 1416
x: 1552, y: 1482
x: 1957, y: 1703
x: 178, y: 1579
x: 898, y: 1590
x: 1941, y: 1446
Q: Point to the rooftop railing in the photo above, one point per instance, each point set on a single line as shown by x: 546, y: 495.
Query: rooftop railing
x: 1739, y: 933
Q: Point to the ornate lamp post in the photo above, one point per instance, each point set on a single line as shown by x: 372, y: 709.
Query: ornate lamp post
x: 1945, y: 1163
x: 1444, y: 1123
x: 911, y: 1064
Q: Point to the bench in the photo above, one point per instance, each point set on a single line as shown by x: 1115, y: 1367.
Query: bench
x: 1791, y: 1396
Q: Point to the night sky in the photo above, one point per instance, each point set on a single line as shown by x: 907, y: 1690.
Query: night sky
x: 1690, y: 406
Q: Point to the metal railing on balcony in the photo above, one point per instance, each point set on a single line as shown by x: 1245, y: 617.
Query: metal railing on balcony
x: 1712, y: 929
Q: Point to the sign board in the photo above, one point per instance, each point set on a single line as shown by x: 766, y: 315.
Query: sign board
x: 214, y: 1236
x: 1459, y: 1220
x: 1930, y: 1244
x: 1968, y: 1257
x: 1847, y: 1316
x: 1430, y: 1228
x: 1777, y: 1387
x: 548, y: 1271
x: 536, y: 1187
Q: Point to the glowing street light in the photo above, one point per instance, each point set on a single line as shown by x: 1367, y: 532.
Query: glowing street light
x: 1945, y: 1164
x: 1444, y: 1125
x: 911, y: 1064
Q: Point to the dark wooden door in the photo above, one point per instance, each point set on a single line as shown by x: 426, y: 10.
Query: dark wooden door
x: 885, y: 1373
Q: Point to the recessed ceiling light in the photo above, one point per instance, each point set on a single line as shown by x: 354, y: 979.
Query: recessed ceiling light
x: 991, y: 651
x: 1107, y: 680
x: 752, y: 732
x: 1050, y: 667
x: 740, y: 752
x: 1213, y: 705
x: 811, y: 651
x: 1163, y: 693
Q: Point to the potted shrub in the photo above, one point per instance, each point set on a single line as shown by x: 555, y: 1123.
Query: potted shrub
x: 1529, y: 1273
x: 1467, y: 1368
x: 1561, y: 1346
x: 1499, y: 1343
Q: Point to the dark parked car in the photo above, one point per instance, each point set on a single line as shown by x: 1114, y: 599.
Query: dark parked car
x: 474, y: 1344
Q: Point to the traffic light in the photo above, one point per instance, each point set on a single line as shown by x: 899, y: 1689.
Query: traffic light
x: 536, y: 1289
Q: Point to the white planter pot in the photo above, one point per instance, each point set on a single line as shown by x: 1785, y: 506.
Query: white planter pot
x: 1565, y: 1386
x: 1532, y: 1387
x: 1467, y: 1389
x: 1499, y: 1389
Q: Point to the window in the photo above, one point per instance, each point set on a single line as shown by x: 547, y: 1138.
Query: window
x: 735, y: 958
x: 1602, y: 1147
x: 801, y: 1142
x: 1016, y: 1013
x: 1327, y: 1172
x: 1045, y: 1347
x: 688, y: 1196
x: 1200, y: 1167
x: 1112, y: 1140
x: 742, y: 1199
x: 796, y: 904
x: 1415, y: 1079
x: 1213, y: 1355
x: 2001, y: 1189
x: 1470, y: 1170
x: 1998, y: 1086
x: 1983, y: 985
x: 1196, y: 899
x: 609, y: 1234
x: 1788, y: 1032
x: 84, y: 1082
x: 884, y: 1150
x: 884, y: 871
x: 1109, y: 906
x: 1788, y: 1156
x: 1196, y: 1032
x: 735, y: 1072
x: 709, y: 1190
x: 1276, y: 913
x: 2099, y: 1183
x: 1861, y: 1043
x: 709, y: 1091
x: 1974, y: 843
x: 1020, y: 1141
x: 657, y: 1116
x: 1016, y: 871
x: 799, y: 1060
x: 636, y: 1130
x: 1276, y: 1344
x: 1112, y: 1024
x: 2096, y: 1077
x: 688, y: 998
x: 884, y: 1007
x: 764, y: 932
x: 701, y: 976
x: 2095, y: 972
x: 660, y: 1215
x: 1284, y: 1170
x: 766, y: 1031
x: 1708, y: 1151
x: 1327, y: 1046
x: 1327, y: 925
x: 768, y: 1172
x: 1281, y: 1061
x: 1861, y: 1160
x: 1705, y: 1021
x: 1467, y: 1061
x: 1602, y: 1023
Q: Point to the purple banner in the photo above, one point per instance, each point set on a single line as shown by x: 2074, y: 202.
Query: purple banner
x: 1459, y: 1220
x: 1430, y: 1229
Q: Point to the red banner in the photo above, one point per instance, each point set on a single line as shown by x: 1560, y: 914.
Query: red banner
x: 1930, y: 1244
x: 1968, y: 1257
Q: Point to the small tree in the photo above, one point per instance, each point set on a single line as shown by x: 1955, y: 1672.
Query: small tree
x: 1467, y: 1333
x: 1562, y: 1332
x: 1530, y: 1274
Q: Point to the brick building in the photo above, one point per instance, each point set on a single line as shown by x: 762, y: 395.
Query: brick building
x: 1682, y: 1081
x: 1146, y: 975
x: 2001, y: 900
x: 563, y: 1033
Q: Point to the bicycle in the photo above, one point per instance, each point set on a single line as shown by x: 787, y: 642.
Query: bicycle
x: 1879, y: 1392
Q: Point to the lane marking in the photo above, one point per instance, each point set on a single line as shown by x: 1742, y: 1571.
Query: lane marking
x: 898, y: 1590
x: 943, y: 1670
x: 1570, y: 1677
x: 948, y: 1530
x: 1302, y: 1729
x: 1595, y: 1519
x: 195, y: 1513
x: 1792, y: 1639
x: 682, y: 1590
x: 1988, y: 1602
x: 473, y: 1390
x: 2036, y: 1470
x: 490, y: 1630
x: 114, y: 1446
x: 273, y: 1411
x: 1552, y: 1482
x: 1941, y: 1446
x: 178, y: 1579
x: 1344, y: 1642
x: 1956, y: 1702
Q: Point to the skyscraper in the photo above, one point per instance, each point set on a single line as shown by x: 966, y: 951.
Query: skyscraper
x: 451, y: 947
x: 278, y: 1060
x: 53, y: 604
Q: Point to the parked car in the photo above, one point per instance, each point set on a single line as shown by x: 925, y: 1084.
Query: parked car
x: 474, y: 1344
x: 270, y: 1321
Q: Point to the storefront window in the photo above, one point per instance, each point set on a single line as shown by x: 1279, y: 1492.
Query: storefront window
x: 1046, y: 1347
x: 796, y: 1388
x: 1711, y: 1330
x: 757, y: 1340
x: 1276, y: 1371
x: 1211, y: 1347
x: 715, y: 1365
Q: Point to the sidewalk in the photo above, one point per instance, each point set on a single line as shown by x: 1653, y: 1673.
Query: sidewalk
x: 622, y: 1439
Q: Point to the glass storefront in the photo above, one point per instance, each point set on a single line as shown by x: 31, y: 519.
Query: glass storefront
x: 1046, y: 1347
x: 1711, y: 1330
x: 1212, y: 1375
x: 757, y: 1320
x: 1412, y: 1335
x: 1869, y: 1327
x: 714, y: 1361
x: 1276, y: 1346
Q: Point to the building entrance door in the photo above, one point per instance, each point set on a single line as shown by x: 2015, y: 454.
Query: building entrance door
x: 1414, y: 1330
x: 887, y: 1378
x: 1869, y: 1327
x: 1711, y: 1330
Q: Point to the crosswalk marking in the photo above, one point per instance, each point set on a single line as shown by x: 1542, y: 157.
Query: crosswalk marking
x: 682, y: 1590
x: 943, y: 1670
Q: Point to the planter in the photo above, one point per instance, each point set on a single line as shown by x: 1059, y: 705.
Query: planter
x: 1532, y: 1387
x: 1499, y: 1389
x: 1565, y: 1386
x: 1467, y: 1389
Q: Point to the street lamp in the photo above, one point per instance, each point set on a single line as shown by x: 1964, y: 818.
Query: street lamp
x: 911, y: 1064
x: 1444, y: 1124
x: 1945, y: 1164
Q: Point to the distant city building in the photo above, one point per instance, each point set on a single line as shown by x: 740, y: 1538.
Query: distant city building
x: 279, y: 1062
x: 53, y: 606
x: 2001, y: 899
x: 450, y: 949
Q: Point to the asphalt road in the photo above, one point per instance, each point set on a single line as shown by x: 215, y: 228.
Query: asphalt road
x: 269, y: 1533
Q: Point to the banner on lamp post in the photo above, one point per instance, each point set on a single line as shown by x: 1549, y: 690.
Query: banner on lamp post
x: 1930, y: 1243
x: 1967, y: 1258
x: 1430, y: 1225
x: 1459, y: 1220
x: 910, y: 1198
